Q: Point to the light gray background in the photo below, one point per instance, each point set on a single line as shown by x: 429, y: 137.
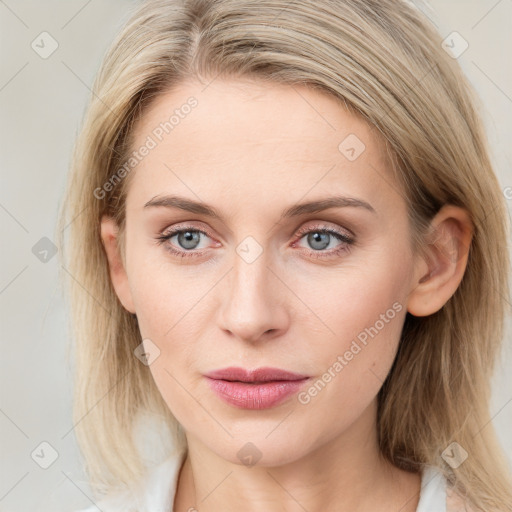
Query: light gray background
x: 42, y: 102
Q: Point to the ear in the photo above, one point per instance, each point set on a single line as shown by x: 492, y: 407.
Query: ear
x: 438, y: 275
x: 118, y: 275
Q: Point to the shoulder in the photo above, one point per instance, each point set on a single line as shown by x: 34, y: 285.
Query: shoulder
x: 456, y: 503
x: 113, y: 503
x: 154, y: 493
x: 437, y: 495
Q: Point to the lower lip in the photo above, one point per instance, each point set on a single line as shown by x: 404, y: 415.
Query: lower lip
x: 255, y: 396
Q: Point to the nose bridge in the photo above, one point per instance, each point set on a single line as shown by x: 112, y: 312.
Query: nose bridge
x: 252, y: 306
x: 250, y: 272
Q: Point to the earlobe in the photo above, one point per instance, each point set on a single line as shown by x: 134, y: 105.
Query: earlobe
x: 118, y: 275
x: 438, y: 275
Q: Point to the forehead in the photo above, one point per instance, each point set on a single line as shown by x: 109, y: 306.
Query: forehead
x: 257, y: 139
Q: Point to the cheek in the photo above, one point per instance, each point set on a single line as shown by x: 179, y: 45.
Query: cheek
x: 360, y: 298
x: 365, y: 309
x: 352, y: 369
x: 170, y: 312
x: 168, y: 318
x: 164, y: 294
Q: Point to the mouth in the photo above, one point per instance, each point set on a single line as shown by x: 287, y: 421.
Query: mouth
x: 262, y: 388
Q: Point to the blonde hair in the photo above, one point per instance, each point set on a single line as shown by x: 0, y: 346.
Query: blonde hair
x: 384, y: 61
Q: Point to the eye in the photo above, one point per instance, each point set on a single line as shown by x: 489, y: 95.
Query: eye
x: 187, y: 241
x: 320, y: 237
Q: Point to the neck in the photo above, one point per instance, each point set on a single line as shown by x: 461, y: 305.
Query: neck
x: 346, y: 473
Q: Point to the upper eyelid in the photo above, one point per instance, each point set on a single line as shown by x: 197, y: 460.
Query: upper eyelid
x: 325, y: 225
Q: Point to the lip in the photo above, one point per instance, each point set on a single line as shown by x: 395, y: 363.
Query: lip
x: 261, y: 388
x: 264, y: 374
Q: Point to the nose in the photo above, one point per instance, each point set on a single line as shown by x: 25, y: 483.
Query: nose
x: 255, y: 301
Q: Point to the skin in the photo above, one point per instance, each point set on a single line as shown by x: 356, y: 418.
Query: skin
x: 250, y: 151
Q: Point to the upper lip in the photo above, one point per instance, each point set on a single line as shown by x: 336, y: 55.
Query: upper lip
x: 264, y: 374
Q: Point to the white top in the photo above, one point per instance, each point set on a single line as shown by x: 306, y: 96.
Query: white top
x: 159, y: 490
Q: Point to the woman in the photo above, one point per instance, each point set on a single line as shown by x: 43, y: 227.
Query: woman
x: 288, y: 246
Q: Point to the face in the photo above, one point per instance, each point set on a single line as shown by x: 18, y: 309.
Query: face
x: 265, y: 283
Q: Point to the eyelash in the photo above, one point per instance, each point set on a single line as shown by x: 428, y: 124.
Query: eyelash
x: 345, y: 246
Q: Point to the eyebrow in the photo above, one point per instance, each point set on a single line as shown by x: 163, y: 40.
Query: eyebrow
x: 189, y: 205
